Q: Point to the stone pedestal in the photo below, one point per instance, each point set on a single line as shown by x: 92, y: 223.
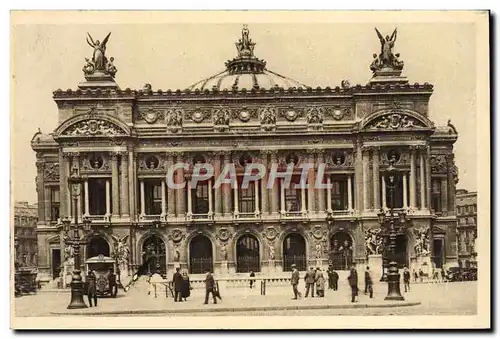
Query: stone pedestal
x: 224, y: 268
x: 271, y: 266
x: 424, y: 262
x: 375, y: 262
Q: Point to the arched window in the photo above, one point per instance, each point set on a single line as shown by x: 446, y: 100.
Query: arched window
x: 97, y: 245
x: 294, y: 252
x: 154, y: 254
x: 341, y: 251
x: 200, y: 255
x: 247, y: 254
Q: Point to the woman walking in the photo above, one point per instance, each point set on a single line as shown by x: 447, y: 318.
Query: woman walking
x: 320, y: 283
x: 186, y: 286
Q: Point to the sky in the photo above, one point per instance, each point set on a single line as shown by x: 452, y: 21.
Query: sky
x: 47, y: 56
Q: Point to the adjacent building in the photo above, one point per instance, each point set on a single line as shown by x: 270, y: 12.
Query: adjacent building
x: 123, y: 141
x: 25, y: 238
x: 467, y: 228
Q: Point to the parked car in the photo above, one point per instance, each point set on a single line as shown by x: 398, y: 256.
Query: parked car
x: 461, y: 274
x: 101, y: 265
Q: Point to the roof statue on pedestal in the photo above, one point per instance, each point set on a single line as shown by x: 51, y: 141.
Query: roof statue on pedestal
x: 99, y: 63
x: 245, y: 45
x: 386, y: 59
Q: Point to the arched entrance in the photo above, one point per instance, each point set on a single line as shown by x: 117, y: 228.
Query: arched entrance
x: 401, y: 250
x: 200, y: 255
x: 341, y: 251
x: 294, y: 252
x: 247, y: 254
x: 97, y: 245
x: 154, y: 254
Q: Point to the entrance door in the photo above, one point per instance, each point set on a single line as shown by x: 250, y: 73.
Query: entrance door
x: 56, y: 263
x: 401, y: 251
x: 247, y: 254
x: 200, y: 255
x: 341, y: 253
x: 154, y: 257
x: 294, y: 252
x: 438, y: 252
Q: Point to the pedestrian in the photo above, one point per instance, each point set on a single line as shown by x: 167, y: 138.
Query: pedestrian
x: 92, y: 288
x: 353, y: 283
x: 209, y: 287
x: 186, y: 286
x: 421, y: 274
x: 178, y: 282
x: 435, y: 275
x: 113, y: 288
x: 295, y: 282
x: 415, y: 276
x: 330, y: 276
x: 335, y: 277
x: 368, y: 282
x: 406, y: 278
x: 309, y: 278
x: 252, y: 275
x: 443, y: 275
x: 320, y: 283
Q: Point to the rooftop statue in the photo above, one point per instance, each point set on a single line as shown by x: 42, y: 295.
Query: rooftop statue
x: 386, y: 58
x: 99, y: 63
x: 245, y: 45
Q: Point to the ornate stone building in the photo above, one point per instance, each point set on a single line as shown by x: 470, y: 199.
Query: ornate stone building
x: 25, y: 224
x: 122, y: 141
x: 467, y: 228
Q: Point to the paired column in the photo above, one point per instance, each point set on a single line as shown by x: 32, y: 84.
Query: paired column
x: 226, y: 189
x: 451, y: 181
x: 376, y: 178
x: 427, y: 156
x: 132, y: 183
x: 349, y: 192
x: 87, y: 198
x: 170, y: 190
x: 282, y: 190
x: 124, y: 196
x: 321, y: 192
x: 444, y: 196
x: 190, y: 199
x: 413, y: 178
x: 114, y: 184
x: 76, y: 165
x: 210, y: 207
x: 180, y: 201
x: 384, y: 193
x: 366, y: 168
x: 47, y: 201
x: 108, y: 197
x: 329, y: 194
x: 236, y: 199
x: 143, y: 200
x: 263, y: 185
x: 405, y: 192
x: 310, y: 189
x: 423, y: 192
x: 43, y: 211
x: 275, y: 194
x: 358, y: 178
x: 218, y: 191
x: 257, y: 211
x: 163, y: 199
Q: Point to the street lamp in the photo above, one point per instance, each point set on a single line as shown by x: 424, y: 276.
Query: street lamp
x: 393, y: 276
x: 75, y: 239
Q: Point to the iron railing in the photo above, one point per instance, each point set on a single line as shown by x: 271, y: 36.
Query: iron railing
x: 246, y: 264
x: 200, y: 265
x: 299, y: 260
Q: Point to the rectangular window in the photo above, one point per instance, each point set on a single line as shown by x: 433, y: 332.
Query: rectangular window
x: 97, y: 196
x: 54, y: 204
x: 339, y: 192
x: 200, y: 198
x: 152, y: 195
x: 246, y: 198
x: 436, y: 195
x: 293, y: 197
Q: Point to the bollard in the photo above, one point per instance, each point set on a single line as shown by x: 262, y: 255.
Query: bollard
x: 263, y: 287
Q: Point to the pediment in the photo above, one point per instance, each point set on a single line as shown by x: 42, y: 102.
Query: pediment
x: 396, y: 120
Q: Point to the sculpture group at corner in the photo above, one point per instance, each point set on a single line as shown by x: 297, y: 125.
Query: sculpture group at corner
x: 386, y: 59
x: 99, y: 63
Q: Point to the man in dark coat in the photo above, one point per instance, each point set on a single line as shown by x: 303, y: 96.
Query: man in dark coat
x: 335, y: 279
x: 310, y: 279
x: 406, y: 278
x: 353, y: 283
x: 252, y: 275
x: 177, y: 279
x: 92, y: 288
x: 368, y: 282
x: 209, y: 287
x: 186, y: 286
x: 113, y: 288
x: 295, y: 282
x: 330, y: 276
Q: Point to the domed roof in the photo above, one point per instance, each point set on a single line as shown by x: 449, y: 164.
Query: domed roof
x: 246, y: 71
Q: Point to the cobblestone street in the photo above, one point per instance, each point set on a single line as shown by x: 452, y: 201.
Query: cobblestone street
x: 435, y: 299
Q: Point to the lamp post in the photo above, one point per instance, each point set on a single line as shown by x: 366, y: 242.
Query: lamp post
x: 75, y: 238
x: 393, y: 276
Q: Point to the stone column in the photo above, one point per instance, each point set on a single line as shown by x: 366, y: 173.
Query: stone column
x: 405, y: 192
x: 143, y: 199
x: 163, y: 199
x: 76, y: 165
x: 210, y: 207
x: 86, y: 194
x: 218, y: 191
x: 226, y: 189
x: 124, y: 194
x: 263, y: 185
x: 311, y: 205
x: 384, y: 193
x: 170, y: 190
x: 282, y: 190
x: 132, y: 182
x: 303, y: 209
x: 180, y: 200
x: 43, y: 215
x: 257, y: 211
x: 427, y: 156
x: 114, y: 184
x: 451, y: 182
x: 349, y: 192
x: 236, y: 199
x: 366, y: 168
x: 45, y: 202
x: 274, y: 190
x: 329, y: 194
x: 108, y: 198
x: 63, y: 184
x: 190, y: 199
x: 321, y: 192
x: 413, y: 178
x: 358, y: 177
x: 376, y: 178
x: 423, y: 192
x: 444, y: 197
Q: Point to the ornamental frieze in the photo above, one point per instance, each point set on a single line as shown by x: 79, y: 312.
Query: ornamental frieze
x: 438, y: 164
x: 339, y: 113
x: 340, y: 159
x: 290, y: 113
x: 151, y: 162
x: 314, y: 115
x: 221, y: 118
x: 93, y: 127
x: 152, y: 115
x: 51, y: 172
x: 244, y: 114
x: 95, y: 162
x: 395, y: 121
x: 267, y: 118
x: 398, y: 157
x: 174, y: 119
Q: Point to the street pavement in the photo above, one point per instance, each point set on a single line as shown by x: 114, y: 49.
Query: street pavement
x: 458, y: 298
